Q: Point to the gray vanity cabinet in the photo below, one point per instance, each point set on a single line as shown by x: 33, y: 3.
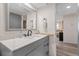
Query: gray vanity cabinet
x: 35, y: 47
x: 38, y: 48
x: 41, y: 50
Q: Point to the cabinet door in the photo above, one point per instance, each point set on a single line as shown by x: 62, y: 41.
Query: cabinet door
x: 41, y: 50
x: 38, y: 52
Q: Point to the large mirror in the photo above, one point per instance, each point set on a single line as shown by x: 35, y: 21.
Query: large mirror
x: 18, y: 18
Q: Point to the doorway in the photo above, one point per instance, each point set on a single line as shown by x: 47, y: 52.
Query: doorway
x: 69, y: 45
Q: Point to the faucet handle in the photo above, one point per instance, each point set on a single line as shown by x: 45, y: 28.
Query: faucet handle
x: 24, y: 35
x: 30, y: 32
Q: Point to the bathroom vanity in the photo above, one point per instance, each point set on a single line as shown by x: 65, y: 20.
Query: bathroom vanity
x: 35, y: 45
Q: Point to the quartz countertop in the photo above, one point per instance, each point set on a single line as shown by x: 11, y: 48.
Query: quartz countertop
x: 14, y: 44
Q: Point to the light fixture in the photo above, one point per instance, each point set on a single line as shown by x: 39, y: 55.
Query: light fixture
x: 29, y: 5
x: 78, y: 4
x: 68, y: 7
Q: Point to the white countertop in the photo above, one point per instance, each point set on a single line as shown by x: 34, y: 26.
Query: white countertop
x: 17, y: 43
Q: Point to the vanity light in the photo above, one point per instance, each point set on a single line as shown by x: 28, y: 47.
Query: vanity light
x: 68, y: 7
x: 78, y: 4
x: 29, y: 5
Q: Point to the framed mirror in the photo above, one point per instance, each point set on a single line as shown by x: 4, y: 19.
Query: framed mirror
x: 19, y: 18
x: 16, y: 19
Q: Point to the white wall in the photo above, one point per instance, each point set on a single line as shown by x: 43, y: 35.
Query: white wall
x: 4, y: 35
x: 70, y: 29
x: 48, y: 12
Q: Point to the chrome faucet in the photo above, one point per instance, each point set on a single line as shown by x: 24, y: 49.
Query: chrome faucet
x: 29, y: 32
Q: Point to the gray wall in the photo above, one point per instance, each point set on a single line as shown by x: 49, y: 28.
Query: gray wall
x: 47, y: 12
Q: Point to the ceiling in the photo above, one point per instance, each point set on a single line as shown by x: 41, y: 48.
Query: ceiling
x: 61, y: 8
x: 38, y: 5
